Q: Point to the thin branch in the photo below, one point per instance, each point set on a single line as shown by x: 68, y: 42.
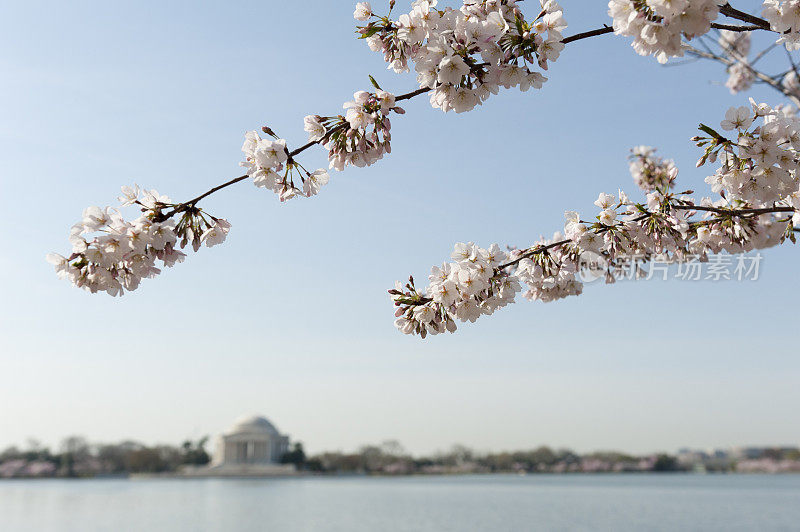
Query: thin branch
x: 705, y: 45
x: 181, y: 207
x: 585, y: 35
x: 730, y: 11
x: 413, y: 94
x: 730, y: 27
x: 791, y: 61
x: 758, y: 74
x: 322, y: 140
x: 303, y: 148
x: 534, y: 251
x: 681, y: 62
x: 218, y: 187
x: 764, y: 52
x: 734, y: 212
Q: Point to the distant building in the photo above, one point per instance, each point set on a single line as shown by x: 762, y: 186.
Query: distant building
x: 252, y: 440
x: 251, y: 447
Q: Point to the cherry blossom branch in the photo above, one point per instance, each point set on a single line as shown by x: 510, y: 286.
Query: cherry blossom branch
x: 756, y: 181
x: 460, y: 290
x: 538, y: 249
x: 727, y: 10
x: 182, y: 207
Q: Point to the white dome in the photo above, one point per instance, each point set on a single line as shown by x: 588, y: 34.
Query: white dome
x: 253, y: 425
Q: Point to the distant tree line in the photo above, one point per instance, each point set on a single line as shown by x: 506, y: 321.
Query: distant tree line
x: 78, y: 458
x: 391, y: 458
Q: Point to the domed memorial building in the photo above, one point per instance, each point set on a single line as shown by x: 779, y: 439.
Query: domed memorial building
x: 251, y: 447
x: 252, y: 440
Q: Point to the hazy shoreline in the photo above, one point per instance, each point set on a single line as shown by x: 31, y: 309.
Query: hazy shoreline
x: 306, y: 476
x: 79, y: 458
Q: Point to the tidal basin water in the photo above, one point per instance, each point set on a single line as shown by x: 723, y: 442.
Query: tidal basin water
x: 419, y: 504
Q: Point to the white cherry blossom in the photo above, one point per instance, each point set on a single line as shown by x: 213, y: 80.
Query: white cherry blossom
x: 363, y: 11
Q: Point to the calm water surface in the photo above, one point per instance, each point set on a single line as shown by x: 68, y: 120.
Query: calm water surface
x: 419, y: 504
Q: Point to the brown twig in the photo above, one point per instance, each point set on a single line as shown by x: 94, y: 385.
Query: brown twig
x: 412, y: 94
x: 730, y: 27
x: 731, y: 12
x: 734, y: 212
x: 585, y: 35
x: 533, y: 251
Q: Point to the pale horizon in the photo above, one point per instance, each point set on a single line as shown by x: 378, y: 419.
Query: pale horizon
x: 290, y: 317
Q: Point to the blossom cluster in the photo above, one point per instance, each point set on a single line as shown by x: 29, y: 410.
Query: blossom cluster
x: 465, y: 55
x: 791, y: 83
x: 465, y: 289
x: 112, y: 255
x: 736, y: 46
x: 658, y: 26
x: 784, y: 17
x: 270, y: 166
x: 651, y: 172
x: 361, y: 137
x: 758, y: 212
x: 739, y: 235
x: 760, y: 164
x: 551, y: 275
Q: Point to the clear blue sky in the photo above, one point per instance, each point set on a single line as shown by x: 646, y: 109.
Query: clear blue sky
x: 290, y: 317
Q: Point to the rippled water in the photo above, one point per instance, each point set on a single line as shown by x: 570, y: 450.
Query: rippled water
x: 419, y: 504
